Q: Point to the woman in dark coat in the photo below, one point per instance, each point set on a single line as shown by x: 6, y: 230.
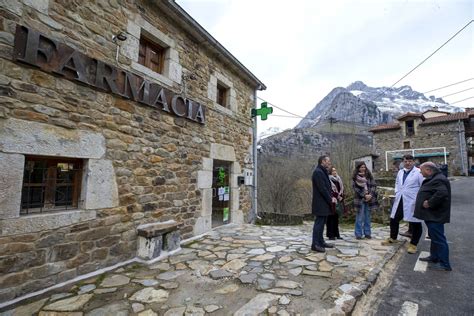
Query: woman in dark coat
x: 337, y: 188
x: 365, y: 199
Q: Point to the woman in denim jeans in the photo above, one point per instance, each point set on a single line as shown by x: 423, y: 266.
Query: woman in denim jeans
x: 365, y: 199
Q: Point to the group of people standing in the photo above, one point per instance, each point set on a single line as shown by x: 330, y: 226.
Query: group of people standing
x: 421, y: 194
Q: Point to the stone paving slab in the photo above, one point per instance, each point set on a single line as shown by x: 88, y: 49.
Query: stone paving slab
x: 234, y: 270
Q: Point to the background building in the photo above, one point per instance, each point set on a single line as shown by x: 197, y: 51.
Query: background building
x: 431, y: 136
x: 113, y: 116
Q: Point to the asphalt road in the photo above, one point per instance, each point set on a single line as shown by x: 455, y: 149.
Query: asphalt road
x: 427, y: 292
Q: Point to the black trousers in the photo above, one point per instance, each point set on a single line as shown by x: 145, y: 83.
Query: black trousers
x: 332, y: 226
x: 417, y: 228
x: 318, y: 227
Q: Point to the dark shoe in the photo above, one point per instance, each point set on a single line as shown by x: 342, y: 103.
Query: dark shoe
x: 429, y: 259
x: 358, y: 237
x: 339, y: 237
x: 332, y: 238
x: 368, y: 237
x: 318, y: 249
x: 406, y: 234
x: 326, y: 245
x: 439, y: 267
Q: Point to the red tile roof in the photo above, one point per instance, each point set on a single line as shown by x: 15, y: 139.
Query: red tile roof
x: 384, y: 127
x: 409, y: 114
x: 448, y: 118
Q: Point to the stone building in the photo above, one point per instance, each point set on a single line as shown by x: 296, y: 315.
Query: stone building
x: 113, y: 115
x: 433, y: 135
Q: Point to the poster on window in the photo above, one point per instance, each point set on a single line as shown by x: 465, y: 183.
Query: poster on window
x: 226, y: 214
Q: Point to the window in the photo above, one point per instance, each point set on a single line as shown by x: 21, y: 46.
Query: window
x: 222, y: 93
x: 50, y: 184
x: 410, y: 128
x: 406, y: 145
x: 151, y: 55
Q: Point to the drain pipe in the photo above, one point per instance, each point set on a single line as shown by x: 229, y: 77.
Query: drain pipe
x: 462, y: 148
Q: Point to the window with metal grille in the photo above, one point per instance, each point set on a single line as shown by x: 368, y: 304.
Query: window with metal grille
x: 50, y: 184
x: 151, y: 55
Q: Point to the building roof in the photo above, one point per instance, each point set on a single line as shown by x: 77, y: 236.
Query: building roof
x: 448, y: 118
x: 204, y: 38
x: 385, y: 127
x: 409, y: 115
x: 437, y: 111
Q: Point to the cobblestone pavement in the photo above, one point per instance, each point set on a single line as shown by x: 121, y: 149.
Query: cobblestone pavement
x: 245, y: 270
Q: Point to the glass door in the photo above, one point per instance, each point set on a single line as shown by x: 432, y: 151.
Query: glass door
x: 220, y: 193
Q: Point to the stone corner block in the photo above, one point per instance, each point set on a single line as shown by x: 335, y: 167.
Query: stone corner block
x: 204, y: 179
x: 11, y: 181
x: 40, y: 5
x: 207, y: 164
x: 203, y: 225
x: 100, y: 185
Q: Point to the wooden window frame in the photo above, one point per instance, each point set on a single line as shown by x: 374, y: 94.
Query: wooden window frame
x: 222, y: 95
x: 49, y: 185
x: 145, y: 54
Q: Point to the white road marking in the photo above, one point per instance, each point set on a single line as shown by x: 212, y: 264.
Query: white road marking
x: 421, y: 266
x: 408, y: 309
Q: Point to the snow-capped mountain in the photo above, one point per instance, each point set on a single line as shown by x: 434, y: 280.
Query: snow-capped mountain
x: 366, y: 105
x: 269, y: 132
x: 396, y: 101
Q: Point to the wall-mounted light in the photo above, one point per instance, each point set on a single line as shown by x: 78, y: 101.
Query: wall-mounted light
x: 122, y: 36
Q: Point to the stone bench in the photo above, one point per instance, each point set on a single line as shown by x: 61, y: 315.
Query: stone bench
x: 155, y: 237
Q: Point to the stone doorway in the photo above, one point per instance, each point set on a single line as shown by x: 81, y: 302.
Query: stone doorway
x: 221, y: 193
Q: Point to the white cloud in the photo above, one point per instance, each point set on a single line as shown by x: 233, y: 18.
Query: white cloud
x: 303, y: 49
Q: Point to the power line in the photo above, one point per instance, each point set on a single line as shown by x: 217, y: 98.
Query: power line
x: 280, y: 108
x: 449, y: 85
x: 444, y: 96
x: 406, y: 75
x: 462, y: 100
x: 433, y: 52
x: 424, y: 60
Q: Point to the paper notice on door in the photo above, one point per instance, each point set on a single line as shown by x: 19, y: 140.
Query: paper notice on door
x: 221, y: 191
x: 225, y: 214
x: 226, y: 197
x: 221, y: 197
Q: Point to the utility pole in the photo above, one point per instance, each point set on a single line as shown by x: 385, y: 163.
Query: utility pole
x: 263, y: 112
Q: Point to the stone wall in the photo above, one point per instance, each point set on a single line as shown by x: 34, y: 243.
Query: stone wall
x: 148, y: 161
x: 444, y: 134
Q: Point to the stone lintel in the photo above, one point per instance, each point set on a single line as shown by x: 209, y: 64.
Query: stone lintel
x: 33, y: 138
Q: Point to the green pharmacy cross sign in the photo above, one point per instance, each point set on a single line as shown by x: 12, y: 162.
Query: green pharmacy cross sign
x: 264, y: 111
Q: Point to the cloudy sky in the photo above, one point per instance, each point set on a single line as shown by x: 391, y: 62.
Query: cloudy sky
x: 302, y: 49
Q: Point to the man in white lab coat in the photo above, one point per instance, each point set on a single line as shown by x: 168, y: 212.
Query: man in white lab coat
x: 407, y: 185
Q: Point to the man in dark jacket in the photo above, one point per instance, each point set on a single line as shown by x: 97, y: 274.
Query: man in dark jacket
x: 321, y: 204
x: 433, y: 205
